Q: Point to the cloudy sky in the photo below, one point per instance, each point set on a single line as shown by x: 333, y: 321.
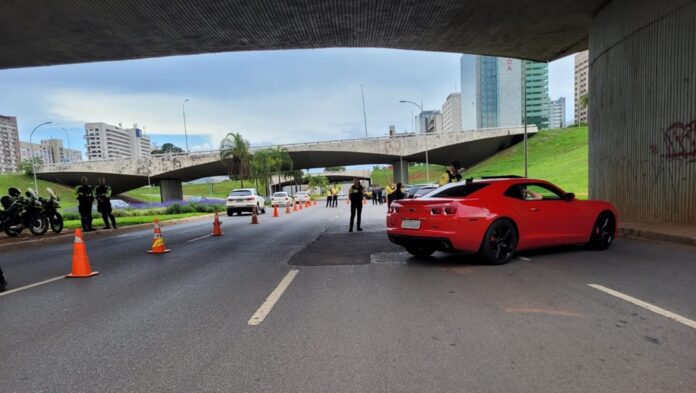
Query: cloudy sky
x: 270, y: 97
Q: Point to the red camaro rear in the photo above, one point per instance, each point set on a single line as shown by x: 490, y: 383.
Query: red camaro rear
x: 496, y: 217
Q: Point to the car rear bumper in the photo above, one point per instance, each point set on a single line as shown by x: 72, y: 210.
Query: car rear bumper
x: 240, y: 208
x: 438, y: 243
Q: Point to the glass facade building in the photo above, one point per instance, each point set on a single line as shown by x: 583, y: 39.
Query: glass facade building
x: 537, y: 94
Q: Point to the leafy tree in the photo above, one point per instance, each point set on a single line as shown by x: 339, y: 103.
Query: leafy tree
x: 234, y: 153
x: 335, y: 169
x: 26, y: 165
x: 318, y: 182
x: 168, y: 148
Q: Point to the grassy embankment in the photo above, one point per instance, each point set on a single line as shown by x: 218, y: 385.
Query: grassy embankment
x: 559, y: 156
x: 210, y: 190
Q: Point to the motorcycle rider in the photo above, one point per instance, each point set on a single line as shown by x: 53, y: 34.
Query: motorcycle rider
x: 85, y: 199
x: 103, y: 193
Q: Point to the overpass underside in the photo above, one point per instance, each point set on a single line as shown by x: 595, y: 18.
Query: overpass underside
x: 642, y: 116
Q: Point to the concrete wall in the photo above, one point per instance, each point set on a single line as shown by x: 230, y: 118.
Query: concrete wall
x: 642, y: 102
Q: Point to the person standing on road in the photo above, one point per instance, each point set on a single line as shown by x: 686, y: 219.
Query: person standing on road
x: 390, y: 195
x: 329, y: 198
x: 85, y: 199
x: 103, y: 193
x: 334, y: 195
x: 356, y: 193
x: 3, y: 283
x: 375, y: 190
x: 452, y: 173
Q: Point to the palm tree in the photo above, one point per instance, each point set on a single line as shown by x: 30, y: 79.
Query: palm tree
x: 234, y: 152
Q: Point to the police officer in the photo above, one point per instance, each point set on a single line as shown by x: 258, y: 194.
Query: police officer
x: 103, y: 193
x: 452, y: 173
x: 356, y: 193
x: 3, y: 283
x: 85, y: 199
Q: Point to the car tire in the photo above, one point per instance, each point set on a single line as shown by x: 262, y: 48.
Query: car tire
x: 420, y: 251
x: 230, y: 213
x: 499, y: 242
x: 603, y: 232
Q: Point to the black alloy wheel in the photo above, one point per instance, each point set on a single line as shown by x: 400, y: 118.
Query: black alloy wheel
x: 500, y: 242
x: 603, y: 232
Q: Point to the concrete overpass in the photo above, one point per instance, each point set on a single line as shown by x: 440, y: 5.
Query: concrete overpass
x: 364, y: 175
x: 170, y: 171
x: 642, y: 61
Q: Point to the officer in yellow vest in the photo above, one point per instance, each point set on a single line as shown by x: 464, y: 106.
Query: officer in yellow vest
x: 452, y: 173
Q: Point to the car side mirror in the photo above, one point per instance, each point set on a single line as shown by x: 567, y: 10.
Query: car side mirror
x: 569, y: 196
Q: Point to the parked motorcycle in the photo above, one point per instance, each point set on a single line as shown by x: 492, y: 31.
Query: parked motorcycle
x: 22, y: 212
x: 50, y: 209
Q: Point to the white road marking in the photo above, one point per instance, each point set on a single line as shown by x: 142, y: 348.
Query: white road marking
x: 198, y: 238
x: 524, y: 258
x: 36, y: 284
x: 650, y: 307
x: 272, y: 299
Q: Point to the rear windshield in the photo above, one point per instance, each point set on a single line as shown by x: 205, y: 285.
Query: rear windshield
x: 301, y: 193
x: 457, y: 191
x: 280, y: 194
x: 240, y: 193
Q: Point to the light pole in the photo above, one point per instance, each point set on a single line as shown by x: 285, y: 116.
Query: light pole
x: 33, y: 158
x: 67, y: 137
x: 183, y: 110
x: 524, y: 99
x: 427, y: 163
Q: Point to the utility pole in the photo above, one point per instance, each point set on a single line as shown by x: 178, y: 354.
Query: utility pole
x: 183, y: 110
x: 362, y: 93
x: 524, y: 100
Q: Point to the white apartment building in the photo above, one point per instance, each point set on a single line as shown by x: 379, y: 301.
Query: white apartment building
x: 557, y: 110
x: 42, y: 151
x: 452, y: 113
x: 10, y: 156
x: 581, y: 84
x: 429, y: 121
x: 106, y: 141
x: 60, y: 153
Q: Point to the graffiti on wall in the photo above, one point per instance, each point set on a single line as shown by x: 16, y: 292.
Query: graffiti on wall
x: 679, y: 141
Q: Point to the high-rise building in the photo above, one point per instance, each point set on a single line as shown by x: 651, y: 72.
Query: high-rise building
x: 581, y: 85
x: 37, y: 150
x: 10, y: 156
x: 537, y: 94
x: 60, y: 153
x: 491, y: 92
x: 452, y: 113
x: 557, y: 118
x: 429, y: 121
x: 107, y: 141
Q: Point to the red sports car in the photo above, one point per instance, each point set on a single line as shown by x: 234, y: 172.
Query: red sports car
x: 498, y: 216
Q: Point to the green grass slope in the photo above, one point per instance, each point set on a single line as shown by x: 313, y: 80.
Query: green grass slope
x: 66, y: 195
x: 211, y: 190
x: 559, y: 156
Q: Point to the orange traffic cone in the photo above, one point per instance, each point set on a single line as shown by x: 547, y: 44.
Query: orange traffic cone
x: 315, y: 203
x: 254, y: 217
x: 287, y: 209
x: 294, y: 206
x: 217, y: 231
x: 300, y: 206
x: 158, y: 246
x: 275, y: 210
x: 80, y: 261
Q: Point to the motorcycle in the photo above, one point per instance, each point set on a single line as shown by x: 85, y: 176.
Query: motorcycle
x: 22, y: 212
x: 50, y: 209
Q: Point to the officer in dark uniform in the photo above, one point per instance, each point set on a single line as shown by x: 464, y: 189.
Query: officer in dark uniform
x: 103, y: 193
x: 85, y: 199
x: 356, y: 193
x: 3, y: 283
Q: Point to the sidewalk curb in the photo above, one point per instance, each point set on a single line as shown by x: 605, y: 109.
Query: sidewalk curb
x: 659, y: 236
x: 68, y: 236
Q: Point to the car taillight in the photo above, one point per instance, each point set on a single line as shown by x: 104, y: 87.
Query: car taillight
x: 394, y: 209
x: 250, y: 199
x: 447, y: 210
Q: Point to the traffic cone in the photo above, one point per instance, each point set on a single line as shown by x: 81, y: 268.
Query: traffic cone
x: 254, y: 217
x: 80, y: 261
x: 217, y: 231
x: 275, y: 210
x: 158, y: 246
x: 287, y: 209
x: 315, y: 203
x: 294, y: 206
x: 300, y: 206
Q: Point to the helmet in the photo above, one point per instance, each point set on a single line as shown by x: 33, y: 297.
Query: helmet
x: 14, y: 192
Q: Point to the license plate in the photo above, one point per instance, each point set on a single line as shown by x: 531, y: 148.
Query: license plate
x: 410, y: 224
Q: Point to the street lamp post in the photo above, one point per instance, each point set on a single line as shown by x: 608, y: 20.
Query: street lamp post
x: 524, y: 99
x: 427, y: 163
x: 183, y: 110
x: 33, y: 158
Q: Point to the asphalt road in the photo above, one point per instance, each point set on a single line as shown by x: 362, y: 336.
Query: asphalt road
x: 358, y: 315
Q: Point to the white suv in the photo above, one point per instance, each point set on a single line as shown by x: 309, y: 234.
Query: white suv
x: 244, y: 200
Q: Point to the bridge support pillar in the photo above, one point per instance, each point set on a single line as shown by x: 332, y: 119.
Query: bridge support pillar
x: 400, y: 171
x: 171, y: 190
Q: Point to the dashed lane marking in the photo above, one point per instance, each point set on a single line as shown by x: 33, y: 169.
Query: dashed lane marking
x: 650, y: 307
x: 36, y: 284
x: 272, y: 299
x: 524, y: 258
x: 198, y: 238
